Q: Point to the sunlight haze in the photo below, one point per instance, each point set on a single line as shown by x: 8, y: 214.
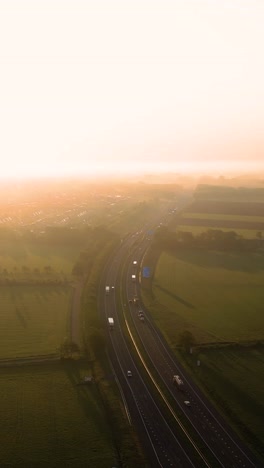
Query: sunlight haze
x: 123, y: 86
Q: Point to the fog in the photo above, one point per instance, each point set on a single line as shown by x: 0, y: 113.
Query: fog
x: 113, y: 87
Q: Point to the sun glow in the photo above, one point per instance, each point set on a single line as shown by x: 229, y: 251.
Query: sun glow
x: 111, y: 86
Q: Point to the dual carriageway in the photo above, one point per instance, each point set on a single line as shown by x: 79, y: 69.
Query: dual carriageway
x: 172, y: 434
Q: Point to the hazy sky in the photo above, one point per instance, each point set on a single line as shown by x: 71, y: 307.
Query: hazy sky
x: 123, y: 84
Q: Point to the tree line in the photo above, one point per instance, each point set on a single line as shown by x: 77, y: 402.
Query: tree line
x: 212, y: 239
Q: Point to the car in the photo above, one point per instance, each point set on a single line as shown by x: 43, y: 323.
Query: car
x: 135, y: 262
x: 187, y: 403
x: 129, y: 373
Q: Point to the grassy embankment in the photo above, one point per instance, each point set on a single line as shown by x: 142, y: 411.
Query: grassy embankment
x: 124, y: 439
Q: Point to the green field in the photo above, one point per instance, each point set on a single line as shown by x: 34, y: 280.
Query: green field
x: 15, y: 254
x: 234, y: 379
x: 222, y: 193
x: 34, y: 320
x: 197, y: 230
x: 222, y: 217
x: 49, y: 420
x: 219, y: 298
x: 229, y: 210
x: 36, y: 301
x: 219, y: 295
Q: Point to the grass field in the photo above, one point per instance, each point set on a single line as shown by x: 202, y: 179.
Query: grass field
x: 228, y: 206
x: 224, y: 217
x: 231, y: 213
x: 197, y: 230
x: 48, y: 420
x: 34, y: 319
x: 219, y: 298
x: 14, y: 255
x: 234, y: 378
x: 220, y: 193
x: 220, y: 295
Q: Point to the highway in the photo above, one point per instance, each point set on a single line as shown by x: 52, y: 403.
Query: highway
x: 158, y: 437
x: 224, y: 445
x: 211, y: 441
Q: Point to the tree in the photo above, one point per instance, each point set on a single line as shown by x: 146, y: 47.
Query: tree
x: 78, y: 269
x: 186, y: 340
x: 69, y: 349
x: 97, y: 341
x: 185, y: 237
x: 48, y: 269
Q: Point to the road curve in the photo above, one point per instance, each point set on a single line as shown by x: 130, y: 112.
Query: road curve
x: 224, y: 445
x: 160, y: 439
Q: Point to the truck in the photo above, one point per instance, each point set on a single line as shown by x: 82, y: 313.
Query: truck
x: 107, y: 290
x: 111, y: 323
x: 178, y: 381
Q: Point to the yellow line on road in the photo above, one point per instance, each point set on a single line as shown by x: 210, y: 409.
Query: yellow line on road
x: 164, y: 398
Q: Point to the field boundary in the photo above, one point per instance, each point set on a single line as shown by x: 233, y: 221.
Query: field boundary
x: 29, y: 360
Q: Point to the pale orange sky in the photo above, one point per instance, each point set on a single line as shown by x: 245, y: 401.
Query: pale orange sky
x: 115, y: 85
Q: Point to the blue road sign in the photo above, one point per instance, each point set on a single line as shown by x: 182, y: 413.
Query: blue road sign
x: 146, y: 272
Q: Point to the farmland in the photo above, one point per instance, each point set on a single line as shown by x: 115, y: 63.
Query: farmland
x: 223, y: 193
x: 234, y: 223
x: 220, y: 295
x: 34, y: 319
x: 49, y: 420
x: 199, y: 229
x: 16, y: 254
x: 228, y: 207
x: 35, y: 297
x: 214, y: 291
x: 47, y: 246
x: 233, y: 377
x: 218, y: 207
